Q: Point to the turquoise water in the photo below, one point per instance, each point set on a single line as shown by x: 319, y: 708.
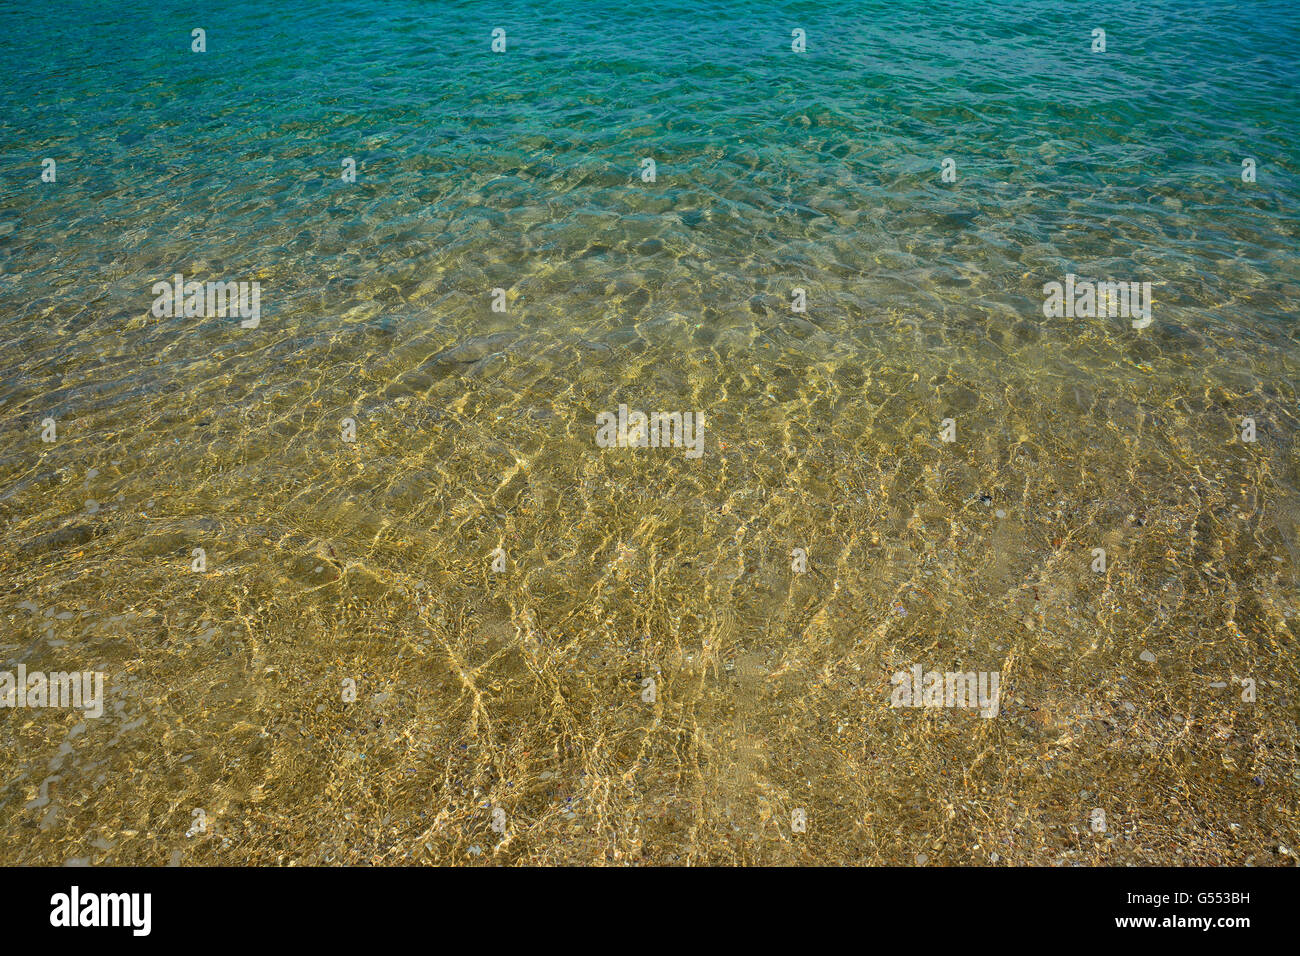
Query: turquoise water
x: 500, y: 169
x: 521, y: 170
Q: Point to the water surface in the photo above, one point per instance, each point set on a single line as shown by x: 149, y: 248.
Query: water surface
x: 372, y: 560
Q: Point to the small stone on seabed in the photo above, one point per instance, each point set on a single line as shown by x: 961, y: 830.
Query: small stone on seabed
x: 1148, y: 657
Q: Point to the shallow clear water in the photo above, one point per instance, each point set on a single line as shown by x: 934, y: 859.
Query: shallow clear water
x: 372, y: 560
